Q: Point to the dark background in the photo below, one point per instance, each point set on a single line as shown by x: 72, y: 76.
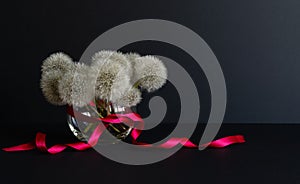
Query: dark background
x: 256, y: 42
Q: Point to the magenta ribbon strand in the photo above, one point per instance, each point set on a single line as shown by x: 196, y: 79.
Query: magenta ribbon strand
x: 40, y: 141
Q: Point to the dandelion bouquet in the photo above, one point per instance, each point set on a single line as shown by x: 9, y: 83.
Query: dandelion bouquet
x: 111, y: 84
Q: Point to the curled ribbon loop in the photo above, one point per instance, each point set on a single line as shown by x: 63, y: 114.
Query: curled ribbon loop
x: 40, y: 140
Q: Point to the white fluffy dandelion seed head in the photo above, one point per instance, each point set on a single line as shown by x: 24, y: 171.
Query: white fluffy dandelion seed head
x: 112, y: 56
x: 112, y: 79
x: 149, y: 72
x: 132, y: 56
x: 131, y: 98
x: 77, y: 86
x: 49, y: 85
x: 57, y: 62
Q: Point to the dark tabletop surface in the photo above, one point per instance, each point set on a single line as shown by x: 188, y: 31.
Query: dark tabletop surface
x: 270, y: 155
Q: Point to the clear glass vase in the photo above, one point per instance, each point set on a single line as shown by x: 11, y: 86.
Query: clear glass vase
x: 83, y: 130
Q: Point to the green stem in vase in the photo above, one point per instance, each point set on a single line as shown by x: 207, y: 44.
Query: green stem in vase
x: 137, y: 83
x: 112, y: 126
x: 88, y: 127
x: 95, y: 110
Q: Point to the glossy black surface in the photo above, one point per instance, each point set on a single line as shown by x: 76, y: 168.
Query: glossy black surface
x: 270, y: 155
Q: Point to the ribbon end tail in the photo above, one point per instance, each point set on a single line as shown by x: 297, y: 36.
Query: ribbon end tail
x: 22, y: 147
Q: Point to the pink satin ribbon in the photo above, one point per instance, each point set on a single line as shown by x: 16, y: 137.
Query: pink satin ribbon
x: 129, y: 118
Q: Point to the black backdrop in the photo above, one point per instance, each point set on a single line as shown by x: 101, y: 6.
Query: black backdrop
x: 256, y: 42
